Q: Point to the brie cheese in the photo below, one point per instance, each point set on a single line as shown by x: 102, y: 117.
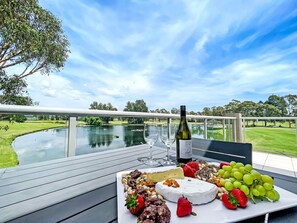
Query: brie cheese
x: 196, y: 191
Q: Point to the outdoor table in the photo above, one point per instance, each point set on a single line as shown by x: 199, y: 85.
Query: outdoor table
x: 83, y: 188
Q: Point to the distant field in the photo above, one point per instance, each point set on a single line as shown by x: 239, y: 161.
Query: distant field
x: 273, y: 140
x: 8, y: 156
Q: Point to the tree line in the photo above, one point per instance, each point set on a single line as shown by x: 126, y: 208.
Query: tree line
x: 274, y: 106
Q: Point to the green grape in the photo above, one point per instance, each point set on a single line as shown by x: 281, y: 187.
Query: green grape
x: 245, y: 189
x: 221, y: 172
x: 255, y: 175
x: 248, y: 167
x: 239, y: 165
x: 238, y: 175
x: 234, y: 170
x: 226, y: 174
x: 242, y: 170
x: 277, y: 196
x: 236, y: 184
x: 271, y: 195
x: 232, y: 163
x: 261, y: 189
x: 232, y: 179
x: 222, y: 181
x: 227, y: 168
x: 228, y: 186
x: 267, y: 186
x: 255, y: 192
x: 267, y: 179
x: 247, y: 178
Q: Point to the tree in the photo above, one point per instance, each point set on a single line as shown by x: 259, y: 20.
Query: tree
x: 137, y: 106
x: 232, y: 107
x: 206, y: 111
x: 175, y: 111
x: 291, y: 102
x: 248, y: 109
x: 278, y: 102
x: 267, y: 110
x: 92, y: 120
x: 100, y: 106
x: 218, y: 111
x: 31, y: 36
x: 13, y: 90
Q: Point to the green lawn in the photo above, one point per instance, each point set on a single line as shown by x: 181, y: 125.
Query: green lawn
x: 8, y: 156
x: 273, y: 140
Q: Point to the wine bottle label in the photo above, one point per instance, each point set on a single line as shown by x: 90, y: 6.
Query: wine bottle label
x: 185, y: 149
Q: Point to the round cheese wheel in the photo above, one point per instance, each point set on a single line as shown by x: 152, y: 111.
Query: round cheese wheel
x: 196, y: 191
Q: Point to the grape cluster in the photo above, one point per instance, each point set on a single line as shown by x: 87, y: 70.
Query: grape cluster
x: 250, y: 181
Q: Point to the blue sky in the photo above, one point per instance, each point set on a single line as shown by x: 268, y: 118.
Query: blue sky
x: 198, y: 53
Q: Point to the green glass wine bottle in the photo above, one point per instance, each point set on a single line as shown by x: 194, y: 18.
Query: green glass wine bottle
x: 183, y: 139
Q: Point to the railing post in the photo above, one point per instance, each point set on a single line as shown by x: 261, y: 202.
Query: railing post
x: 205, y: 128
x: 229, y: 130
x: 296, y: 129
x: 237, y: 128
x: 71, y: 146
x: 234, y: 130
x: 224, y: 129
x: 243, y: 130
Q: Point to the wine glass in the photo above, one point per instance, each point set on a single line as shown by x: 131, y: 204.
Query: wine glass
x: 151, y: 135
x: 167, y: 136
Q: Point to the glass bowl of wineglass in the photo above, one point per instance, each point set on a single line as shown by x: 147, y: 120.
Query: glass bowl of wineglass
x: 151, y: 136
x: 167, y: 136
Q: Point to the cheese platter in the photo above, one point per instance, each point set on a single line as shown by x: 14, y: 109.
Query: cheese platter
x: 211, y: 211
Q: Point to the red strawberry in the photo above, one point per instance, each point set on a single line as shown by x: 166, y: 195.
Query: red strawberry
x: 230, y: 202
x: 240, y: 196
x: 194, y: 165
x: 135, y: 203
x: 224, y: 164
x: 189, y: 171
x: 184, y: 207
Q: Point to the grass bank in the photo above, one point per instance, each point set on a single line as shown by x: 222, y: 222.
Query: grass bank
x: 273, y: 140
x: 8, y: 156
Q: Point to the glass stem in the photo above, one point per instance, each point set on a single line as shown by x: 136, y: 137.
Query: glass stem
x: 168, y: 148
x: 151, y: 152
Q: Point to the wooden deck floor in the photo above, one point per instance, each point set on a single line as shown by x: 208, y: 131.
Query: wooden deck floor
x: 67, y: 190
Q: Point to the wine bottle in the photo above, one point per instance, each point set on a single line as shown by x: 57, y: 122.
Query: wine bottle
x: 183, y: 139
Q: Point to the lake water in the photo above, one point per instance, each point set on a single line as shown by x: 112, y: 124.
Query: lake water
x: 51, y: 144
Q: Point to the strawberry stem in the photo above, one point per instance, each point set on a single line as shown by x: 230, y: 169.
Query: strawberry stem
x: 193, y: 213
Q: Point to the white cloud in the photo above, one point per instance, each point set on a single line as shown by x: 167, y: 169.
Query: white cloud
x: 165, y: 53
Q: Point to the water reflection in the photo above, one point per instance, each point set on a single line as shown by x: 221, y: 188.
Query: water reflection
x: 133, y: 135
x: 51, y: 144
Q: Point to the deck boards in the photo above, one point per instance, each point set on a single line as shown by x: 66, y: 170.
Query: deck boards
x: 71, y: 207
x: 39, y: 178
x: 95, y: 214
x: 30, y: 190
x: 23, y: 170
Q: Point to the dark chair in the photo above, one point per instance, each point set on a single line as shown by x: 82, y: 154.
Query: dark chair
x: 221, y: 150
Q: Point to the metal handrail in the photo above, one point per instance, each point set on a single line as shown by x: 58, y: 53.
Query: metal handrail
x: 269, y: 118
x: 18, y: 109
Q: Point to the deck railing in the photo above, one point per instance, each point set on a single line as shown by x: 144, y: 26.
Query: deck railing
x: 234, y: 123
